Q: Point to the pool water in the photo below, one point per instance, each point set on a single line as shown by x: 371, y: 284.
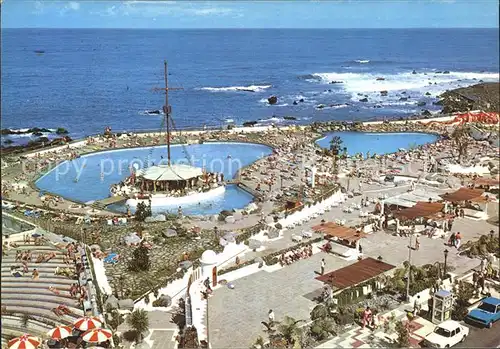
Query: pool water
x: 81, y: 179
x: 379, y: 143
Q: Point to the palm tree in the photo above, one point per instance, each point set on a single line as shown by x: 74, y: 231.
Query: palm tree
x: 289, y: 329
x: 139, y: 322
x: 335, y: 144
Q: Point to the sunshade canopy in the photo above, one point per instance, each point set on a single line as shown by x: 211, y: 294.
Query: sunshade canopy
x: 463, y: 194
x: 338, y: 231
x: 356, y: 273
x: 421, y: 209
x: 170, y: 172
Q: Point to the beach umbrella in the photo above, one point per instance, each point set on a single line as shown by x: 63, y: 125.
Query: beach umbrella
x: 26, y: 341
x: 87, y: 323
x: 97, y: 335
x: 60, y: 332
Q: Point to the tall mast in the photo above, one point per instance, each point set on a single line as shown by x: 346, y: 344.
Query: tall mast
x: 167, y: 109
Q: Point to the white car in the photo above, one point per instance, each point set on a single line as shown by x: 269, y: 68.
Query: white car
x: 446, y: 335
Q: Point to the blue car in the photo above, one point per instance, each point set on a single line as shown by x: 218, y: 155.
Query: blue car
x: 487, y: 313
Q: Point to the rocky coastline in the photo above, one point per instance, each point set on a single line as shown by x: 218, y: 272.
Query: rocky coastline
x: 484, y: 96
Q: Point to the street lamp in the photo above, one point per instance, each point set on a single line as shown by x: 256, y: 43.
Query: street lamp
x: 445, y: 260
x: 409, y: 270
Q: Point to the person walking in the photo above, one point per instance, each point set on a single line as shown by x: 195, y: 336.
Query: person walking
x: 270, y: 316
x: 417, y: 243
x: 322, y: 266
x: 417, y: 306
x: 451, y: 241
x: 458, y: 240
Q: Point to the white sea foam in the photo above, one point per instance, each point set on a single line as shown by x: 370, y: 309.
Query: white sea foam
x: 362, y: 61
x: 416, y: 85
x: 251, y: 88
x: 273, y: 120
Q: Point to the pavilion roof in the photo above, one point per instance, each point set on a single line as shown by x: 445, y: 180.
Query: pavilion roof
x: 463, y: 194
x: 175, y: 172
x: 421, y: 209
x: 356, y: 273
x: 486, y: 181
x: 339, y: 231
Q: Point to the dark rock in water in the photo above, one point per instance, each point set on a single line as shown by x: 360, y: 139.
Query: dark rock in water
x: 380, y: 79
x: 439, y: 72
x: 249, y: 123
x: 364, y: 100
x: 446, y: 72
x: 360, y: 94
x: 481, y: 80
x: 37, y: 134
x: 8, y: 141
x: 403, y: 99
x: 427, y: 93
x: 437, y: 103
x: 383, y: 93
x: 61, y: 131
x: 378, y: 106
x: 295, y: 103
x: 474, y: 79
x: 7, y: 131
x: 426, y: 113
x: 289, y: 118
x: 301, y: 100
x: 272, y: 100
x: 320, y: 106
x: 403, y: 93
x: 414, y: 72
x: 153, y: 112
x: 421, y: 104
x: 336, y: 82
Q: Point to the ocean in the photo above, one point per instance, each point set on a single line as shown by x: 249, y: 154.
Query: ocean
x: 88, y: 79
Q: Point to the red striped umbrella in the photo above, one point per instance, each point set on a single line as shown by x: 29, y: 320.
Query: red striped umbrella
x: 60, y: 332
x: 26, y: 341
x: 87, y: 323
x: 97, y: 335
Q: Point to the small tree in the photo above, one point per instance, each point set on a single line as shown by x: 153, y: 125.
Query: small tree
x: 139, y: 322
x: 140, y: 259
x: 463, y: 291
x: 403, y: 332
x: 142, y: 212
x: 290, y: 330
x: 461, y: 139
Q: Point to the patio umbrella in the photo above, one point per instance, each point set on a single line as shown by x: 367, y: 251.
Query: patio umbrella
x: 26, y: 341
x: 60, y: 332
x: 97, y: 335
x: 87, y: 323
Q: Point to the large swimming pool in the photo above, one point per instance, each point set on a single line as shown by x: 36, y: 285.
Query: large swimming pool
x: 89, y: 177
x: 379, y: 143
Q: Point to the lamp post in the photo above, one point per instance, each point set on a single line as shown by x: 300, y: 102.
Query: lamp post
x: 445, y: 261
x: 409, y: 271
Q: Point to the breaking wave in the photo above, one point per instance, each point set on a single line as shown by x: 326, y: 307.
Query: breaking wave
x: 362, y: 61
x: 251, y: 88
x: 419, y: 85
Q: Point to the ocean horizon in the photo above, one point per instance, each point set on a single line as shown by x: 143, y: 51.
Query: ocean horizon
x: 87, y: 79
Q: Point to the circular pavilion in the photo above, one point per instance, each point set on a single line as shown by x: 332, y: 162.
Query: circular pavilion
x: 169, y: 177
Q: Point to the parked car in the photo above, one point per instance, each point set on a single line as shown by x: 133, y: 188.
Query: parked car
x: 486, y: 314
x: 446, y: 335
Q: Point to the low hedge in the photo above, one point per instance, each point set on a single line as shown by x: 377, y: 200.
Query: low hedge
x: 273, y: 258
x: 248, y: 233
